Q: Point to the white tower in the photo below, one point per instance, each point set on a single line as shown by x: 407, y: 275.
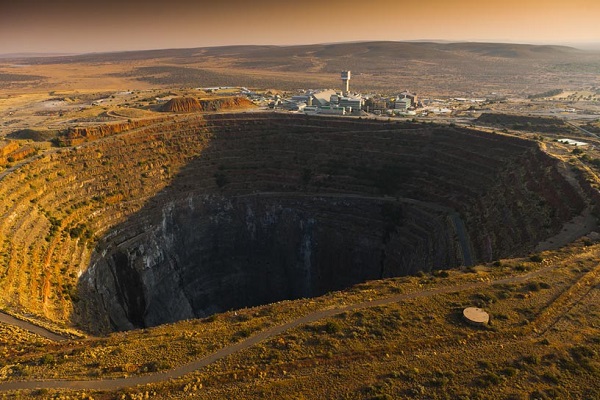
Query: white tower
x: 346, y: 82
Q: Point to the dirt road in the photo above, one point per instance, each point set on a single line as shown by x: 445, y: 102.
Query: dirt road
x: 114, y: 384
x: 28, y: 326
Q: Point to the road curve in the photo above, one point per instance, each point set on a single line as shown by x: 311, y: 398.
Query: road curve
x: 119, y: 383
x: 585, y: 131
x: 28, y: 326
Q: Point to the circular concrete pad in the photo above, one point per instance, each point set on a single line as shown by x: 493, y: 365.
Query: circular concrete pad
x: 476, y: 316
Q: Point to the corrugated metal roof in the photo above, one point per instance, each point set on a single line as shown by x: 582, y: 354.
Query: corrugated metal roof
x: 324, y: 96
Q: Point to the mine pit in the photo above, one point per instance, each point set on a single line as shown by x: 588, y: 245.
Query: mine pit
x: 186, y: 216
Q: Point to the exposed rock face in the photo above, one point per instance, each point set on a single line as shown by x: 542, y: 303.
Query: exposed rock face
x: 207, y: 254
x: 226, y: 103
x: 190, y: 104
x: 7, y: 147
x: 79, y: 135
x: 11, y: 151
x: 281, y: 206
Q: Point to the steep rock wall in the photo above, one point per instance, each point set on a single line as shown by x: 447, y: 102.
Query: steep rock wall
x: 207, y: 254
x: 190, y: 104
x: 78, y: 135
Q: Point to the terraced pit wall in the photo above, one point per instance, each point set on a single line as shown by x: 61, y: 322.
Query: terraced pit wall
x: 192, y: 215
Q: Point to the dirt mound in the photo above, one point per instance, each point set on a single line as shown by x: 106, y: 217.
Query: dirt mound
x: 190, y: 104
x: 182, y: 105
x: 32, y: 134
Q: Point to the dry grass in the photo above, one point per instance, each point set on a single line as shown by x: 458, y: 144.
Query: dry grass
x: 417, y: 348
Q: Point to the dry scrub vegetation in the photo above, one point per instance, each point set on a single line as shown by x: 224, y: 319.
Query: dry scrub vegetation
x: 543, y: 342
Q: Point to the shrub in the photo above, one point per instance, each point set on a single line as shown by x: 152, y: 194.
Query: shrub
x: 80, y: 231
x: 19, y: 370
x: 509, y: 371
x: 514, y: 396
x: 441, y: 273
x: 531, y: 360
x: 484, y: 298
x: 582, y: 352
x: 484, y: 364
x: 487, y: 380
x: 47, y: 359
x: 332, y: 327
x: 438, y: 382
x: 244, y: 333
x: 537, y: 395
x: 155, y: 366
x: 551, y: 378
x: 536, y: 258
x: 533, y: 287
x: 211, y: 318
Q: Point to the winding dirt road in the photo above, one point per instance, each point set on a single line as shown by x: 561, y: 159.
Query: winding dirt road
x: 119, y: 383
x: 28, y: 326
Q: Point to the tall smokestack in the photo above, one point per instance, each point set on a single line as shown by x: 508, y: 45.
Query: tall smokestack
x: 346, y: 82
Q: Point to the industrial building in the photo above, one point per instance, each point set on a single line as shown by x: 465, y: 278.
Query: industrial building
x: 332, y: 102
x: 323, y: 98
x: 332, y: 110
x: 354, y: 104
x: 402, y: 104
x: 408, y: 95
x: 316, y: 98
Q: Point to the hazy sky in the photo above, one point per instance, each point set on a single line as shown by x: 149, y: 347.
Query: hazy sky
x: 85, y: 26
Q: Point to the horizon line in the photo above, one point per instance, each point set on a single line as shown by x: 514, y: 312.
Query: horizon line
x: 34, y: 54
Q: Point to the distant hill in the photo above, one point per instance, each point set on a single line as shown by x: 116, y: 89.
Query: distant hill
x: 411, y: 50
x: 434, y: 67
x: 32, y: 55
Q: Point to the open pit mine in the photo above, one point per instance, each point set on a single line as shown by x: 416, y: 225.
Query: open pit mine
x: 152, y: 221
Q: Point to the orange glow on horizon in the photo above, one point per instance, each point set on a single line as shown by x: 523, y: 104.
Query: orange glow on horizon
x: 75, y: 26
